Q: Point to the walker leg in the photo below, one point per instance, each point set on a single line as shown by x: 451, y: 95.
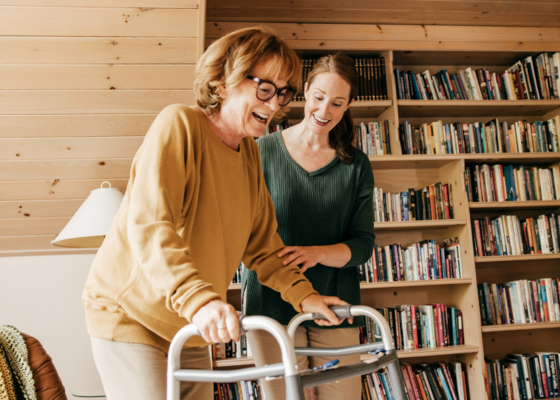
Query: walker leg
x: 397, y: 381
x: 294, y: 388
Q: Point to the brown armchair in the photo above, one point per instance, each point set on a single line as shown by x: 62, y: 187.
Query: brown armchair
x: 48, y: 385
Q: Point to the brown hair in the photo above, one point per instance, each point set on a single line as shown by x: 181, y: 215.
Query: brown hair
x: 342, y: 135
x: 229, y: 60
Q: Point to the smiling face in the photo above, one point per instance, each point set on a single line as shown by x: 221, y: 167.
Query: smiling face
x: 243, y: 111
x: 327, y: 98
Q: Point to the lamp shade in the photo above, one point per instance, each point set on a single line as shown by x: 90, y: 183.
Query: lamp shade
x: 92, y: 221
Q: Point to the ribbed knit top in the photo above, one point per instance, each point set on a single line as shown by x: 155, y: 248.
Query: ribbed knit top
x: 328, y: 206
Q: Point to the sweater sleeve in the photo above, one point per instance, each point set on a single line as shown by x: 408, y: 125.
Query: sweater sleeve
x: 261, y: 254
x: 359, y: 236
x: 164, y: 172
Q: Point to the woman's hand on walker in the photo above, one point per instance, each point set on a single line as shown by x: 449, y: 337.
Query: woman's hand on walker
x: 316, y: 303
x: 217, y: 322
x: 306, y: 256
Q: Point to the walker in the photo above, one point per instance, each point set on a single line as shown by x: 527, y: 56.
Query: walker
x: 295, y: 381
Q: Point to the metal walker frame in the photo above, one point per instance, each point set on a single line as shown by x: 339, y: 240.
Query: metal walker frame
x: 295, y: 382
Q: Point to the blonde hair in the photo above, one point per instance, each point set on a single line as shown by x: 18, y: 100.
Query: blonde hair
x: 342, y: 135
x: 229, y: 60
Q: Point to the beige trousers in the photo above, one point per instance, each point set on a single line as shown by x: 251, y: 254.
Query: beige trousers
x: 266, y: 351
x: 133, y: 371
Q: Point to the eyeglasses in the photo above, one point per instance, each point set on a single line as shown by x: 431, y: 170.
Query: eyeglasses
x: 266, y: 91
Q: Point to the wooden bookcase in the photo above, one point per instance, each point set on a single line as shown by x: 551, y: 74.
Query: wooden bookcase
x: 399, y: 172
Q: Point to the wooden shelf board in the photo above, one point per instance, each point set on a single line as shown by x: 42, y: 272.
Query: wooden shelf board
x: 232, y: 362
x: 403, y: 225
x: 438, y: 351
x: 424, y: 161
x: 514, y: 158
x: 520, y: 327
x: 429, y: 282
x: 359, y: 109
x: 411, y: 161
x: 497, y: 205
x: 475, y: 108
x: 524, y: 257
x: 381, y: 285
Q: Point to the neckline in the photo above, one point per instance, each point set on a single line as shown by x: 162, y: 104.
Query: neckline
x: 217, y: 142
x: 291, y: 159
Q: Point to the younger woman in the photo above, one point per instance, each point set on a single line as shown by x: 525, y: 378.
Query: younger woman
x: 321, y: 187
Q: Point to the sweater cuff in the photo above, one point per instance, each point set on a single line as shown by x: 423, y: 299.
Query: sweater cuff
x: 358, y: 256
x: 297, y: 293
x: 193, y: 304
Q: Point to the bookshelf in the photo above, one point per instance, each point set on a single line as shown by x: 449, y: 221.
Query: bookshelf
x: 399, y: 172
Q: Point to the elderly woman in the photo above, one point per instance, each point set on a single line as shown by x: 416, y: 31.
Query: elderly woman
x: 195, y: 206
x: 322, y: 188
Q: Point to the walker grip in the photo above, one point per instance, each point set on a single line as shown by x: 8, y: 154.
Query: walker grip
x: 341, y: 312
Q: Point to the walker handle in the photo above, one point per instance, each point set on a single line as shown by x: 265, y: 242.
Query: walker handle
x: 348, y: 311
x: 288, y: 368
x: 342, y: 312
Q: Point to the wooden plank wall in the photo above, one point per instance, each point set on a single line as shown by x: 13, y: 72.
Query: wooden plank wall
x: 80, y: 83
x: 542, y: 13
x: 449, y: 40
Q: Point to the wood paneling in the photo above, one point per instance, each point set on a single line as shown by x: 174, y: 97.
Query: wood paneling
x: 65, y: 169
x: 368, y: 32
x: 55, y: 189
x: 39, y: 209
x: 107, y: 50
x: 407, y: 45
x: 32, y: 226
x: 48, y: 126
x: 424, y: 12
x: 103, y: 3
x: 101, y: 77
x: 22, y: 244
x: 69, y: 148
x: 80, y: 84
x: 421, y: 6
x: 90, y: 101
x: 482, y: 41
x: 67, y: 21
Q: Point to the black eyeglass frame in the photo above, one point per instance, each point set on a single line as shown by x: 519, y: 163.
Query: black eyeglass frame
x: 276, y: 91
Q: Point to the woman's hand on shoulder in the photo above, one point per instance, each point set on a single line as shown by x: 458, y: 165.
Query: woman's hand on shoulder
x: 316, y: 303
x: 217, y: 322
x: 306, y: 256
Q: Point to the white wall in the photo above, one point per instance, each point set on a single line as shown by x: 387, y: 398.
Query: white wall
x: 41, y: 296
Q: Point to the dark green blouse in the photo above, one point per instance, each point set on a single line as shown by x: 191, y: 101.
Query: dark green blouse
x: 328, y: 206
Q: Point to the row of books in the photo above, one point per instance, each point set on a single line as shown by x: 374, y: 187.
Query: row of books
x: 480, y: 138
x: 243, y: 390
x: 418, y: 261
x: 432, y: 202
x: 418, y: 327
x: 523, y: 376
x: 373, y: 138
x: 372, y: 80
x: 519, y: 302
x: 238, y: 274
x: 232, y: 349
x: 512, y: 183
x: 276, y: 128
x: 532, y: 78
x: 435, y: 381
x: 506, y: 235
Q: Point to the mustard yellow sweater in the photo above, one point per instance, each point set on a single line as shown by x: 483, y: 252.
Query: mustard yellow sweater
x: 193, y: 209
